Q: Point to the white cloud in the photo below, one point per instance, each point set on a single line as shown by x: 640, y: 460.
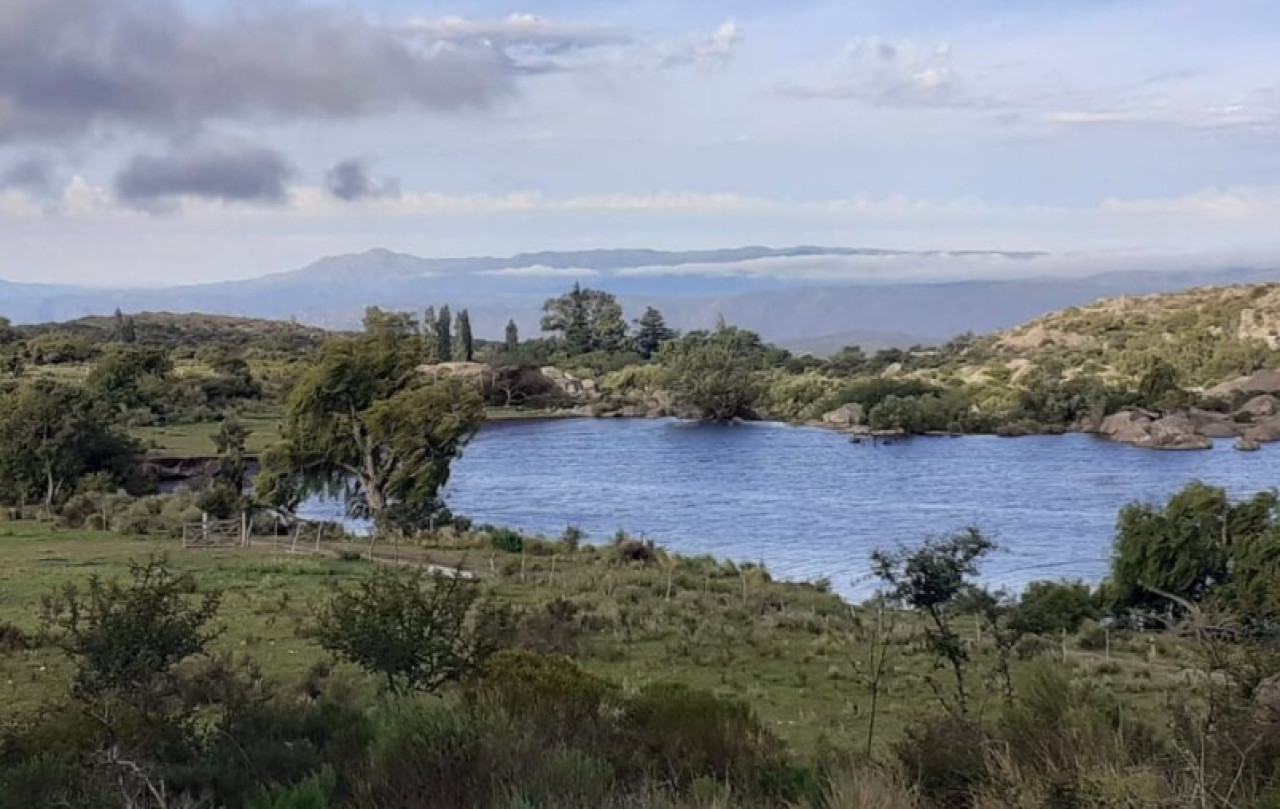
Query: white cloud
x: 541, y: 271
x: 881, y: 72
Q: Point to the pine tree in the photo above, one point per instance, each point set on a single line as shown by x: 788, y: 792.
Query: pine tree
x: 513, y: 337
x: 444, y: 337
x: 651, y: 332
x: 430, y: 346
x: 464, y: 336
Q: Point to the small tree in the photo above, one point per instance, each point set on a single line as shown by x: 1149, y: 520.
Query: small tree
x: 125, y: 635
x: 444, y: 337
x: 512, y: 338
x: 933, y: 579
x: 419, y: 631
x: 651, y: 332
x: 715, y: 373
x: 465, y: 341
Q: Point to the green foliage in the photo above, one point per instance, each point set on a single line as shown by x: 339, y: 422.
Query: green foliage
x: 315, y: 792
x: 444, y: 336
x: 465, y: 341
x: 416, y: 630
x: 935, y: 579
x: 506, y: 540
x: 651, y: 332
x: 690, y: 733
x: 1189, y: 549
x: 51, y: 435
x: 1050, y: 607
x: 586, y: 320
x: 716, y: 374
x: 127, y: 377
x: 125, y: 635
x: 511, y: 341
x: 363, y: 421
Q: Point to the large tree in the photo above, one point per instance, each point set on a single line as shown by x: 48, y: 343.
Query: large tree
x: 715, y: 374
x: 586, y: 320
x: 364, y: 421
x: 52, y: 434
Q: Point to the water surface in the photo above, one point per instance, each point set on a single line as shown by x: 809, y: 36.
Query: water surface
x: 809, y: 503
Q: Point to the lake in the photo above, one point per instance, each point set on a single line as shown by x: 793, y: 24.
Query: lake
x: 809, y: 503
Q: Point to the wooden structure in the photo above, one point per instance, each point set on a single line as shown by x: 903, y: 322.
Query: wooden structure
x: 210, y: 533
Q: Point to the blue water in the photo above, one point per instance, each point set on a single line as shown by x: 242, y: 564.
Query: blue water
x: 809, y: 503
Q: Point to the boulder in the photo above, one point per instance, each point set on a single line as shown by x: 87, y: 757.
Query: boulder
x: 1262, y: 405
x: 1213, y: 424
x: 845, y: 416
x: 1264, y: 430
x: 1246, y: 444
x: 1260, y: 382
x: 1144, y: 429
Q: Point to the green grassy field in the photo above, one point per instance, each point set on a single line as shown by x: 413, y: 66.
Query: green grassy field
x: 797, y: 654
x: 196, y: 440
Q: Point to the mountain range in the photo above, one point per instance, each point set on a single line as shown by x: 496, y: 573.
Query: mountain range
x: 801, y: 297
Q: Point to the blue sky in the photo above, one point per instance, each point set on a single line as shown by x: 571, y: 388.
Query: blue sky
x: 164, y: 142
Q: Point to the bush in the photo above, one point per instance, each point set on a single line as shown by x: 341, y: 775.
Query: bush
x: 947, y: 758
x: 506, y: 540
x: 688, y: 734
x: 559, y: 700
x: 315, y: 792
x: 418, y: 631
x: 13, y: 638
x: 1049, y: 607
x: 124, y: 635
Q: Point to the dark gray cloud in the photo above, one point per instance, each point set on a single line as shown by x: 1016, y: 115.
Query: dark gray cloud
x: 353, y: 179
x: 34, y: 174
x: 67, y: 66
x: 238, y: 173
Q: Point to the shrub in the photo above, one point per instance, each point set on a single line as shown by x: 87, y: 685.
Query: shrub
x: 314, y: 792
x: 689, y: 733
x: 419, y: 631
x: 506, y: 540
x: 947, y: 758
x: 124, y: 635
x: 554, y: 696
x: 13, y: 638
x: 1049, y: 607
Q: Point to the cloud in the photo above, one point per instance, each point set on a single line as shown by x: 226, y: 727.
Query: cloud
x: 32, y: 174
x: 714, y: 51
x: 353, y: 179
x: 68, y: 66
x: 239, y: 173
x: 519, y: 32
x: 542, y: 271
x: 890, y: 74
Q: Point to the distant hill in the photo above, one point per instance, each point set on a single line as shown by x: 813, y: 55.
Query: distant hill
x: 777, y: 292
x: 827, y: 344
x: 1209, y: 335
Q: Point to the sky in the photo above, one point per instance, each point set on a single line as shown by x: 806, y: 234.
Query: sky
x: 178, y: 141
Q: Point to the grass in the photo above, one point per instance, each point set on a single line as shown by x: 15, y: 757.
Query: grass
x: 196, y: 440
x: 175, y: 441
x: 792, y: 651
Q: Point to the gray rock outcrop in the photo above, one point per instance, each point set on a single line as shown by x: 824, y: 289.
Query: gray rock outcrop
x: 1153, y: 431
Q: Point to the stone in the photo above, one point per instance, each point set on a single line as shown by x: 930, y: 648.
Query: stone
x: 1246, y: 444
x: 844, y: 416
x: 1213, y: 424
x: 1264, y: 430
x: 1141, y: 428
x: 1267, y: 381
x: 1262, y: 405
